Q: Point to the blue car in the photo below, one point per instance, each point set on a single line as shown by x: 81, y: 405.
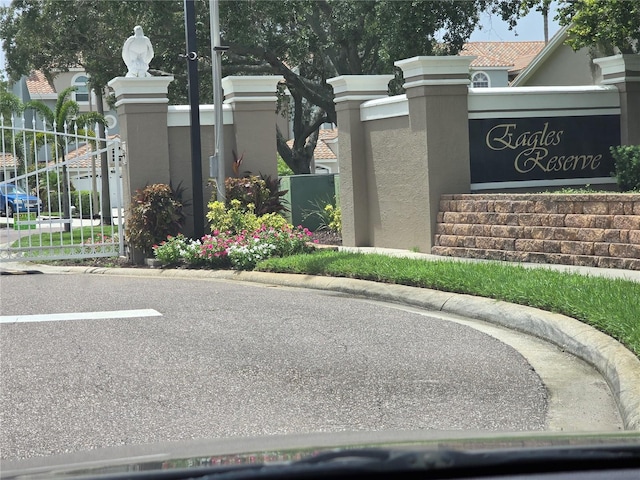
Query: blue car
x: 14, y: 199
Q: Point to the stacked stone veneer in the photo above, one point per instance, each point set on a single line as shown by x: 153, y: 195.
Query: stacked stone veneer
x: 598, y: 230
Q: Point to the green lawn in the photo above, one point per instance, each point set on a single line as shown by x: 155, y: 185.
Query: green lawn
x: 77, y: 241
x: 610, y: 305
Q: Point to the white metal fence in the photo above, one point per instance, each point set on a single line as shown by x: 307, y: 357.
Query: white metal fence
x: 51, y: 193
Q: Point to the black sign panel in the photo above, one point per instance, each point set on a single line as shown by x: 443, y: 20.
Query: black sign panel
x: 544, y: 148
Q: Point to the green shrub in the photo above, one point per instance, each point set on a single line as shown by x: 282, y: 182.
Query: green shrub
x: 627, y: 159
x: 156, y: 212
x: 329, y: 216
x: 241, y: 251
x: 48, y: 187
x: 81, y: 199
x: 238, y: 218
x: 262, y: 192
x: 335, y: 217
x: 50, y: 202
x: 283, y: 168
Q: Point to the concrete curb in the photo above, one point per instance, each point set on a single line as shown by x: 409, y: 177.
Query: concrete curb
x: 619, y: 366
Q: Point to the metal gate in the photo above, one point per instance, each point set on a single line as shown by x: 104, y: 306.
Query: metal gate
x: 51, y: 193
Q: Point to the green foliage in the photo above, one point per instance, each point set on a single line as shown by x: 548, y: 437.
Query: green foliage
x: 262, y: 192
x: 283, y: 168
x: 608, y: 25
x: 327, y: 38
x: 335, y: 218
x: 627, y: 159
x: 49, y: 189
x: 156, y: 212
x: 329, y: 216
x: 238, y: 218
x: 172, y: 250
x: 319, y: 39
x: 241, y: 251
x: 9, y: 104
x: 82, y: 200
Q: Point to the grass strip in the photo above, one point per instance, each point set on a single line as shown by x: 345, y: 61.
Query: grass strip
x: 76, y: 235
x: 610, y: 305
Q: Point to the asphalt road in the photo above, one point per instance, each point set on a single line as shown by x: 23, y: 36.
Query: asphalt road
x: 225, y: 359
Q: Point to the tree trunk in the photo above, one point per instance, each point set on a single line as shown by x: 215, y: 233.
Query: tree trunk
x: 297, y: 158
x: 545, y: 19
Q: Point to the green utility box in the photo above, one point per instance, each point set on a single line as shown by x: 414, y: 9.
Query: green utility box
x: 307, y: 194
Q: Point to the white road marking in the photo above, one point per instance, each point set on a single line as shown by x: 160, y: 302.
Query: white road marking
x: 57, y: 317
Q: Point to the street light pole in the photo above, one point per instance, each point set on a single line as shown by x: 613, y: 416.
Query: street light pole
x: 217, y: 160
x: 194, y: 103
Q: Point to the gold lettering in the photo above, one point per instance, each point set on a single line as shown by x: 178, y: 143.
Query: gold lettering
x: 533, y: 149
x: 502, y: 139
x: 528, y: 163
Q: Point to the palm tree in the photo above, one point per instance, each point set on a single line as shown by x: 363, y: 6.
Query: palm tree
x: 10, y: 105
x: 65, y: 118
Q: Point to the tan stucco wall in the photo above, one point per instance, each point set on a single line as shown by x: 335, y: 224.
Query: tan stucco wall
x: 255, y: 137
x: 147, y: 156
x: 565, y: 67
x: 395, y: 168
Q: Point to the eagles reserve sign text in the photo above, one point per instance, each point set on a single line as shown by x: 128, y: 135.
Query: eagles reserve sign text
x: 507, y: 150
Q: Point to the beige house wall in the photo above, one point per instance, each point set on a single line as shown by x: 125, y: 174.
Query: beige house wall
x: 63, y: 80
x: 565, y: 67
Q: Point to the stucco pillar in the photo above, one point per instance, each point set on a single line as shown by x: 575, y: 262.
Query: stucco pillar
x: 437, y: 90
x: 253, y: 101
x: 350, y: 92
x: 142, y: 103
x: 623, y: 71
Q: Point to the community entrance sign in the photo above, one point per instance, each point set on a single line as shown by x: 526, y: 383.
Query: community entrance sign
x: 542, y: 150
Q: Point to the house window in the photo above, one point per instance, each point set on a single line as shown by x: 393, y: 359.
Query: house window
x: 480, y: 80
x: 82, y: 90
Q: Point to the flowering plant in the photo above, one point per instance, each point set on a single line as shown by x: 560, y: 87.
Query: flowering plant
x: 172, y: 250
x: 241, y: 251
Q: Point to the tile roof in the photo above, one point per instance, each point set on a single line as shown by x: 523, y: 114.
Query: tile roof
x: 81, y: 156
x: 37, y: 84
x: 7, y: 160
x: 322, y: 150
x: 515, y: 55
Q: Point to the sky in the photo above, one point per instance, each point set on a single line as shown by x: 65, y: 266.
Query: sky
x: 529, y: 28
x: 492, y: 29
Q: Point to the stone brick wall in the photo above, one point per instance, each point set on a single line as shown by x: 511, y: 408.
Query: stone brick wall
x: 596, y: 230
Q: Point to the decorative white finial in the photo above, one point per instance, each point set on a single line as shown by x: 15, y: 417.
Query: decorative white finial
x: 137, y: 53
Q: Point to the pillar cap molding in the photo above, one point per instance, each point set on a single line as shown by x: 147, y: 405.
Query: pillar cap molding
x: 619, y: 68
x: 255, y: 88
x: 359, y: 87
x: 132, y: 86
x: 425, y: 66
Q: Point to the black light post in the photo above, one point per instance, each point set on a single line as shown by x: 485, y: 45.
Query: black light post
x: 194, y: 104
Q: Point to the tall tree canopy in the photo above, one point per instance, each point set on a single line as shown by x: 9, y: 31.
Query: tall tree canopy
x: 308, y: 41
x: 305, y: 41
x: 610, y: 26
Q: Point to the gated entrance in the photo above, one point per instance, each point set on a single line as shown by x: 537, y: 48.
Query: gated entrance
x: 51, y: 194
